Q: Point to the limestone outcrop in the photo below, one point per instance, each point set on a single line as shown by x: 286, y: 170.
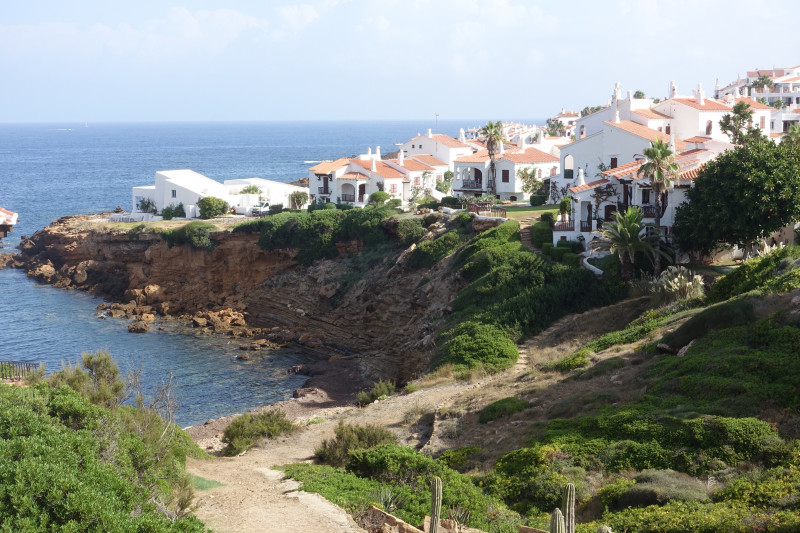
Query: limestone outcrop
x: 384, y: 314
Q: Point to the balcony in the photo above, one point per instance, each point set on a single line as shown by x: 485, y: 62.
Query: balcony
x: 487, y: 209
x: 351, y: 198
x: 476, y: 185
x: 648, y: 211
x: 565, y: 226
x: 568, y: 174
x: 587, y: 226
x: 324, y: 190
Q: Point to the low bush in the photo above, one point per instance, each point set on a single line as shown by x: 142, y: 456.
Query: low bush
x: 394, y: 203
x: 571, y: 259
x: 502, y: 408
x: 380, y: 390
x: 248, y: 429
x: 557, y: 253
x: 451, y: 201
x: 475, y: 345
x: 573, y: 246
x: 548, y: 217
x: 541, y: 232
x: 344, y: 207
x: 658, y: 487
x: 211, y: 207
x: 275, y: 209
x: 172, y: 211
x: 428, y: 253
x: 774, y: 272
x: 379, y: 197
x: 410, y: 230
x: 456, y: 458
x: 718, y: 316
x: 577, y: 359
x: 546, y: 247
x: 196, y: 234
x: 677, y: 284
x: 538, y: 199
x: 347, y: 438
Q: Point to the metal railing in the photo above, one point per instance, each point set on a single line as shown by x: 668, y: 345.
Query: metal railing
x: 648, y: 211
x: 16, y: 369
x: 348, y: 197
x: 471, y: 185
x: 485, y: 209
x: 564, y: 226
x: 324, y: 190
x: 586, y: 226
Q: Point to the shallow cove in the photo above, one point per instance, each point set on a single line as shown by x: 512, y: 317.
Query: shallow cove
x: 41, y: 323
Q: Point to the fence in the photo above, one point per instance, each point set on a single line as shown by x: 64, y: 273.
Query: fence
x: 16, y: 369
x: 486, y: 209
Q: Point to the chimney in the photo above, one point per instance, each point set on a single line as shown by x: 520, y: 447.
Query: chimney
x: 700, y: 95
x: 581, y: 178
x: 400, y: 158
x: 430, y: 134
x: 522, y: 138
x: 630, y: 95
x: 502, y: 148
x: 672, y: 141
x: 378, y: 153
x: 617, y: 91
x: 373, y: 166
x: 616, y: 112
x: 673, y: 90
x: 461, y: 136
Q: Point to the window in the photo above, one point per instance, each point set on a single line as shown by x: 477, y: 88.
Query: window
x: 416, y: 181
x: 539, y: 174
x: 174, y: 193
x: 553, y: 171
x: 709, y: 125
x: 763, y: 122
x: 668, y: 130
x: 393, y: 188
x: 505, y: 175
x: 613, y: 162
x: 645, y: 196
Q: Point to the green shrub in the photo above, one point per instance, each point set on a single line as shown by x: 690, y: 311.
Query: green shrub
x: 428, y: 253
x: 541, y: 232
x: 379, y: 197
x: 657, y: 487
x: 211, y: 207
x: 451, y: 201
x: 344, y: 207
x: 474, y: 345
x: 347, y: 438
x: 456, y: 458
x: 410, y: 230
x: 394, y: 203
x: 196, y: 234
x: 571, y: 259
x: 172, y: 211
x: 275, y: 209
x: 557, y: 253
x: 565, y: 205
x: 548, y: 217
x: 774, y: 272
x: 577, y: 359
x: 98, y: 379
x: 248, y: 429
x: 380, y: 390
x: 538, y: 199
x: 410, y: 388
x: 250, y: 189
x: 573, y: 246
x: 718, y: 316
x: 298, y: 199
x: 546, y: 247
x: 502, y: 408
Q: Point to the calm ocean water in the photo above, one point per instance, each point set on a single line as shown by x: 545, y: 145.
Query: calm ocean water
x: 51, y: 170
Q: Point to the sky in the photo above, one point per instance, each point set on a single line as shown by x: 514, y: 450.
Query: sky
x: 214, y: 60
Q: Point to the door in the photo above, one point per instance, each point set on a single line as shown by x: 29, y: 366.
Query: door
x: 609, y: 213
x: 362, y: 189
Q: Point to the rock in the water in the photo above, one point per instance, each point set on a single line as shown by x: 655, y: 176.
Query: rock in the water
x: 198, y: 322
x: 244, y: 356
x: 140, y: 326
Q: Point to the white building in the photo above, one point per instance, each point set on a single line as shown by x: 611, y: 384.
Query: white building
x: 785, y: 85
x: 472, y: 175
x: 187, y: 187
x: 442, y: 147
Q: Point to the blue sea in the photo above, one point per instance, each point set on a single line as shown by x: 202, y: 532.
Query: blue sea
x: 51, y: 170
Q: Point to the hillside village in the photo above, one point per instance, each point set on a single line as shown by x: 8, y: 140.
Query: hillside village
x: 593, y: 157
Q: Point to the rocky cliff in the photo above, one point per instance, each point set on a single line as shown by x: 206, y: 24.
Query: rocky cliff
x: 376, y: 311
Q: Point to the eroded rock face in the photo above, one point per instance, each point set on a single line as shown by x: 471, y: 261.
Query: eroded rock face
x: 385, y: 315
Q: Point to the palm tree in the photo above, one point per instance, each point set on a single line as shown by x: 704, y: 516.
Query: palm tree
x: 735, y: 123
x: 792, y: 135
x: 624, y: 237
x: 661, y: 168
x: 493, y: 133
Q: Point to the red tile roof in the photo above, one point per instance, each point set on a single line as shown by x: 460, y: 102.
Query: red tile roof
x: 6, y: 216
x: 646, y: 133
x: 697, y: 139
x: 649, y: 113
x: 590, y: 185
x: 412, y: 165
x: 630, y: 170
x: 352, y: 176
x: 529, y: 155
x: 690, y: 174
x: 755, y: 104
x: 428, y: 160
x: 381, y: 168
x: 480, y: 156
x: 709, y: 104
x: 445, y: 140
x: 326, y: 167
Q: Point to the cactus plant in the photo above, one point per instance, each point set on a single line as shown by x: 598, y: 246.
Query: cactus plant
x: 436, y: 503
x: 604, y: 529
x: 568, y: 504
x: 557, y: 522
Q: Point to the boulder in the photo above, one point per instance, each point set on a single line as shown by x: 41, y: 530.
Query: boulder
x: 140, y: 326
x: 44, y: 273
x: 147, y: 317
x: 199, y: 322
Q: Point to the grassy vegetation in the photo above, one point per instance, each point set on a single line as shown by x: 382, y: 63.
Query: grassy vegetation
x: 380, y: 390
x: 502, y: 408
x: 194, y: 233
x: 248, y: 429
x: 348, y: 438
x: 774, y: 272
x: 71, y: 465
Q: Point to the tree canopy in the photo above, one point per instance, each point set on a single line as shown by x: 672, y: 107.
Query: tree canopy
x: 661, y: 169
x: 736, y: 124
x: 741, y: 196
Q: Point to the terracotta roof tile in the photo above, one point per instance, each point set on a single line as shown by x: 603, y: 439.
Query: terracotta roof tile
x: 709, y: 104
x: 326, y: 167
x: 697, y: 139
x: 352, y: 176
x: 478, y: 157
x: 381, y: 168
x: 529, y: 155
x: 645, y: 132
x: 686, y: 159
x: 590, y: 185
x: 445, y: 140
x: 428, y: 160
x: 691, y: 173
x: 649, y: 113
x: 412, y: 165
x: 755, y: 104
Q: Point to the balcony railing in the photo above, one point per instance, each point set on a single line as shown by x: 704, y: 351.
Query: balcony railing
x: 648, y: 211
x: 348, y: 197
x: 471, y: 185
x: 565, y: 226
x: 568, y: 173
x: 324, y: 190
x: 486, y: 209
x: 586, y: 226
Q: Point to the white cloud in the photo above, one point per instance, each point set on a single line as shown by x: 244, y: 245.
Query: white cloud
x: 299, y: 16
